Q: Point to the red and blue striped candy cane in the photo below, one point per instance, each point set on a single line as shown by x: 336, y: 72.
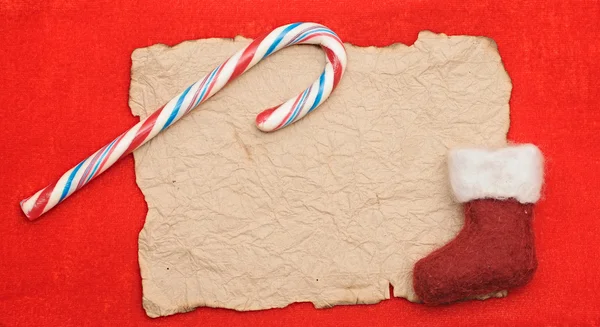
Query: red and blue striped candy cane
x: 267, y: 121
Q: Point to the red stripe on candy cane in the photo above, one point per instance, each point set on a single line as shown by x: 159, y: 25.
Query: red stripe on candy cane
x: 105, y: 160
x: 40, y: 202
x: 265, y: 114
x: 214, y: 81
x: 246, y: 58
x: 289, y: 112
x: 338, y: 69
x: 143, y: 132
x: 90, y: 166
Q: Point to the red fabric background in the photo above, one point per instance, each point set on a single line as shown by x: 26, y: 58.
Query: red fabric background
x: 64, y: 80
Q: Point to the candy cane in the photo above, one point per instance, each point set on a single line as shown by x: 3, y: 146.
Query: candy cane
x: 269, y: 120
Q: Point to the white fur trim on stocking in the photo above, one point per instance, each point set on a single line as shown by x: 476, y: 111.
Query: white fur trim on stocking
x: 510, y: 172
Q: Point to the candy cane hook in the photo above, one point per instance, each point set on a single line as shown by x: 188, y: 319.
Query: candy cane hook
x: 269, y: 120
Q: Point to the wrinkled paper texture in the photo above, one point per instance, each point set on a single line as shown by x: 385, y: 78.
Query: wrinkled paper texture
x: 331, y: 209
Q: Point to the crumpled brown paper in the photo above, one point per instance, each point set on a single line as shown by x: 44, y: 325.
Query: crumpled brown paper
x: 329, y: 210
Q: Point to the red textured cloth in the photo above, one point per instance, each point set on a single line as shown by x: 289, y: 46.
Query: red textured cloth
x: 64, y: 82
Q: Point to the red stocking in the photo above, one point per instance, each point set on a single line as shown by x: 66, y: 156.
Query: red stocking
x: 495, y: 249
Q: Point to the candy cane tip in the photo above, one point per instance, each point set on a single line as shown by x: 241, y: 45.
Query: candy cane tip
x: 25, y: 207
x: 263, y: 117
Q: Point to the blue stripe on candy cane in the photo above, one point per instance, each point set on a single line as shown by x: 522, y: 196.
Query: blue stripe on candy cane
x: 320, y: 93
x: 297, y: 109
x: 317, y: 30
x: 100, y: 160
x: 177, y: 107
x: 206, y: 85
x: 295, y: 39
x: 280, y: 37
x: 70, y: 180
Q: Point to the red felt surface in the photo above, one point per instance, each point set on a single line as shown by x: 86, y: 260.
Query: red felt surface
x: 494, y: 251
x: 64, y: 79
